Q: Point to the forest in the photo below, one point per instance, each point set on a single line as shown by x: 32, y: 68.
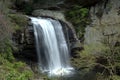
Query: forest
x: 59, y: 40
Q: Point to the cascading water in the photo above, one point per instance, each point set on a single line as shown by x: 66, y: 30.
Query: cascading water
x: 51, y: 46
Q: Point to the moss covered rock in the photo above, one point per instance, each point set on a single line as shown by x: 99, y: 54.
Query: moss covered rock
x: 19, y: 19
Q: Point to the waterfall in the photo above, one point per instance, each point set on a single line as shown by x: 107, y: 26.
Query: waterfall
x: 52, y: 50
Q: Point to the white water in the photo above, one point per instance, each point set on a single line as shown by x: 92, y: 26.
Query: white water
x: 51, y: 47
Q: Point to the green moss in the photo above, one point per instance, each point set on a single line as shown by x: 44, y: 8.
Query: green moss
x: 79, y: 17
x: 19, y: 20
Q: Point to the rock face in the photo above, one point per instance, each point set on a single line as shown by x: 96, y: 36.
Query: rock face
x: 48, y: 13
x: 24, y: 41
x: 105, y: 22
x: 58, y: 15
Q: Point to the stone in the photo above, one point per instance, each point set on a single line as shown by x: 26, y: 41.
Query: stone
x: 108, y: 24
x: 58, y: 15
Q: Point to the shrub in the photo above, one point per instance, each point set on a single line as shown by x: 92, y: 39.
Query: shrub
x: 19, y: 19
x: 79, y: 16
x: 103, y: 59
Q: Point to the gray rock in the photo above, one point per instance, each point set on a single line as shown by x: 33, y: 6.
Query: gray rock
x: 107, y: 24
x: 59, y: 15
x: 48, y: 13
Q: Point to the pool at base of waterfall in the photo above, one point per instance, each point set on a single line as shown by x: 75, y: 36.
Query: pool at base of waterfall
x: 61, y: 71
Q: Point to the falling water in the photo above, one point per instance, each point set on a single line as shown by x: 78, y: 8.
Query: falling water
x: 51, y: 46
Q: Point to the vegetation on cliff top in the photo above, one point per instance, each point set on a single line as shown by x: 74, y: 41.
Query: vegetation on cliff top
x: 79, y: 17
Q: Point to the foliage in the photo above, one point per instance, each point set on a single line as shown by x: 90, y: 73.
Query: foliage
x: 24, y: 6
x: 13, y: 71
x: 103, y: 59
x: 84, y: 60
x: 4, y: 6
x: 10, y: 69
x: 112, y: 54
x: 7, y: 51
x: 5, y: 27
x: 19, y: 19
x: 79, y: 16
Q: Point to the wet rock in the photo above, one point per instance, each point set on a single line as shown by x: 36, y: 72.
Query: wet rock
x: 58, y: 15
x: 48, y: 13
